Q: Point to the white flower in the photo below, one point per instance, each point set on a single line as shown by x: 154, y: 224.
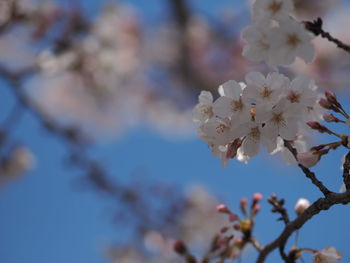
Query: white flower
x: 301, y: 92
x: 265, y: 91
x: 253, y: 136
x: 203, y: 110
x: 258, y: 46
x: 217, y: 131
x: 290, y: 40
x: 272, y: 9
x: 314, y: 113
x: 301, y: 205
x: 327, y: 255
x: 232, y: 103
x: 280, y: 120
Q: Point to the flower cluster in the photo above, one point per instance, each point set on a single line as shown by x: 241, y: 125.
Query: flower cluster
x: 276, y: 37
x: 263, y: 110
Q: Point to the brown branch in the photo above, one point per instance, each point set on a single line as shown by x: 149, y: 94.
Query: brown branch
x: 309, y: 174
x: 278, y: 208
x: 320, y: 205
x: 316, y: 28
x: 346, y: 169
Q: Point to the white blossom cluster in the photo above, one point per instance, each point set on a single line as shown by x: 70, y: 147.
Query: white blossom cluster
x: 263, y: 110
x: 275, y: 36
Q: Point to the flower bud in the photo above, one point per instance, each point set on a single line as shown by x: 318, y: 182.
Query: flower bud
x: 325, y: 104
x: 301, y: 205
x: 317, y: 126
x: 233, y: 217
x: 332, y: 98
x: 223, y: 209
x: 328, y: 117
x: 257, y: 197
x: 256, y: 209
x: 180, y: 247
x: 243, y: 205
x: 308, y: 159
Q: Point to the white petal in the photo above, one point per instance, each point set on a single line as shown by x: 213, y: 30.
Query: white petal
x: 206, y: 97
x: 255, y: 78
x: 306, y: 52
x: 250, y: 146
x: 222, y: 107
x: 232, y: 89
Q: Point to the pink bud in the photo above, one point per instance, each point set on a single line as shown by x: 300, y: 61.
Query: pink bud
x: 257, y: 197
x: 256, y: 209
x: 330, y: 95
x: 236, y: 227
x: 332, y: 98
x: 328, y: 117
x: 243, y: 205
x: 317, y: 126
x: 233, y: 217
x: 301, y: 205
x: 308, y: 159
x: 325, y: 103
x: 223, y: 209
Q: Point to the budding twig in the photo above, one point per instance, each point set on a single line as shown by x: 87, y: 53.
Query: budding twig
x: 307, y: 171
x: 278, y: 208
x: 320, y: 205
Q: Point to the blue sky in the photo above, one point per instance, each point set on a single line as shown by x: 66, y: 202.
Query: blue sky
x: 46, y: 217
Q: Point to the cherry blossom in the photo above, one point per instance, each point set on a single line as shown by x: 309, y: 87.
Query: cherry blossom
x: 204, y: 109
x: 232, y: 103
x: 291, y: 40
x: 265, y: 91
x: 327, y: 255
x: 272, y: 9
x: 257, y: 46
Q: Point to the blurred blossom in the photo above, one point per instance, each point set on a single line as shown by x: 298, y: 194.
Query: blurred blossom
x: 19, y: 161
x: 197, y: 225
x: 15, y: 51
x: 200, y: 222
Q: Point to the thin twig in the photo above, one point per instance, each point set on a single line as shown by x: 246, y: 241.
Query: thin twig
x: 278, y: 208
x: 316, y: 28
x: 307, y: 171
x: 320, y: 205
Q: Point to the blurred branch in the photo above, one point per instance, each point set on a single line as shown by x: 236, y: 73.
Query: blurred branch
x: 182, y: 15
x: 307, y: 171
x: 137, y: 201
x: 316, y: 28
